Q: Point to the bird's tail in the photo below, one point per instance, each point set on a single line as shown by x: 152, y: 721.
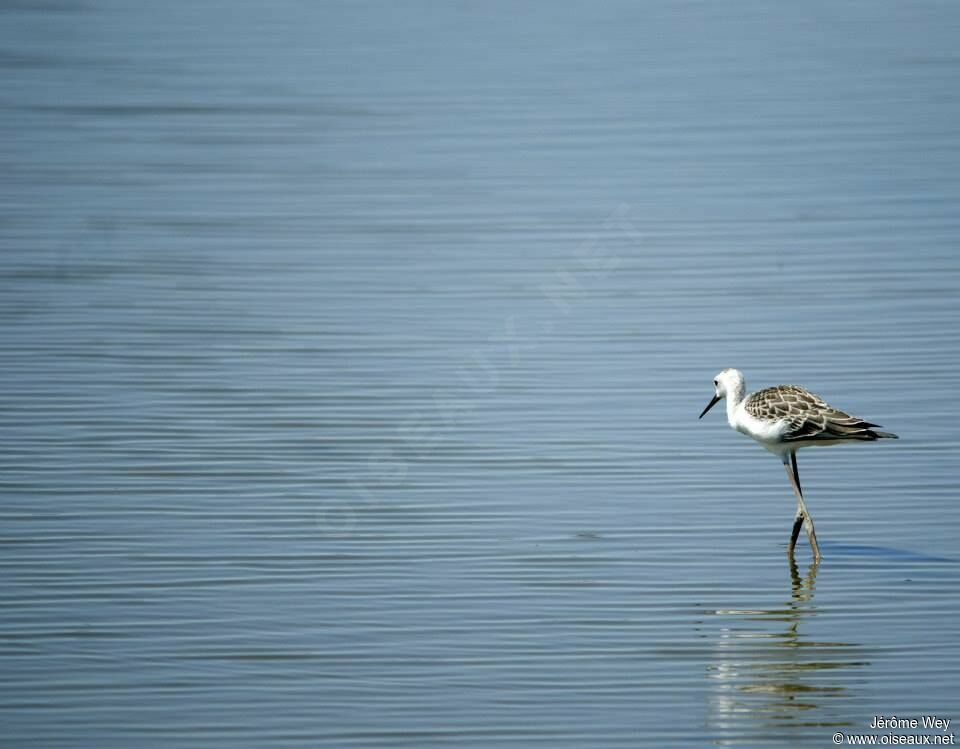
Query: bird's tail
x: 885, y: 435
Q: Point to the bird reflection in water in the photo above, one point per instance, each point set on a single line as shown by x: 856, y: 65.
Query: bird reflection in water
x: 767, y: 675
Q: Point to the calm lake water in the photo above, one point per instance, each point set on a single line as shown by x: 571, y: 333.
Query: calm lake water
x: 352, y: 354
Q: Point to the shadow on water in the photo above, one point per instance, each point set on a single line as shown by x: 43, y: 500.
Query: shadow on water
x: 767, y: 674
x: 834, y: 549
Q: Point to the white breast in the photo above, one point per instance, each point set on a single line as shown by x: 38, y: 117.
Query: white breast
x: 767, y: 433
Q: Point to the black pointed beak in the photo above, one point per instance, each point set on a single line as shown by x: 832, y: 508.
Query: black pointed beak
x: 711, y: 404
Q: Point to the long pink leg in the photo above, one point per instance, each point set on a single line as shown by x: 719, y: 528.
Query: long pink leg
x: 802, y: 518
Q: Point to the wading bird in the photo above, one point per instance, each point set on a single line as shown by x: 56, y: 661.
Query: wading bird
x: 783, y: 419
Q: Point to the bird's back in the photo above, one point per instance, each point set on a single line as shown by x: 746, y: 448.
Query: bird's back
x: 808, y: 417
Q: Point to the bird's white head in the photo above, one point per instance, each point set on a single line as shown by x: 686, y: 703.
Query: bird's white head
x: 727, y: 384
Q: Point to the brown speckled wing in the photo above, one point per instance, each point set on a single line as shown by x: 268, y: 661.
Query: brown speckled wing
x: 809, y: 418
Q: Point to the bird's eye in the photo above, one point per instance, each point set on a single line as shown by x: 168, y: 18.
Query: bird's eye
x: 716, y: 384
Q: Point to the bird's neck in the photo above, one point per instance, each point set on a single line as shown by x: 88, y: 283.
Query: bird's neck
x: 734, y: 398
